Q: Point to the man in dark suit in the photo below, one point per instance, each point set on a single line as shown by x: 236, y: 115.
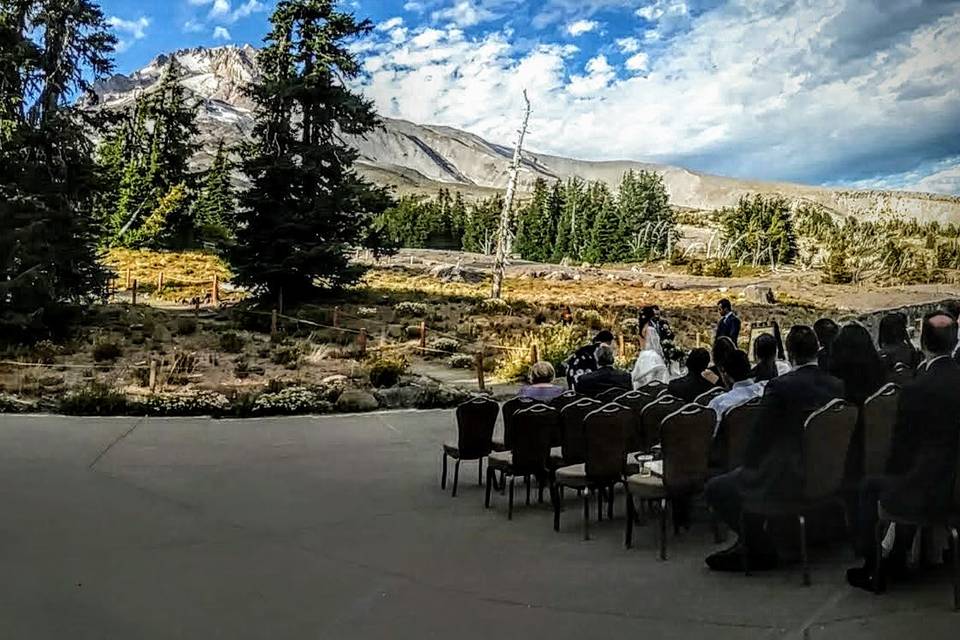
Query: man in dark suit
x: 923, y: 464
x: 605, y: 377
x: 827, y: 331
x: 693, y: 384
x: 729, y: 324
x: 772, y: 464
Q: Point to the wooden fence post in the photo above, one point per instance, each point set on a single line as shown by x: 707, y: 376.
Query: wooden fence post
x: 620, y: 344
x: 479, y: 362
x: 134, y: 291
x: 196, y: 307
x: 383, y: 336
x: 280, y: 301
x: 336, y: 317
x: 534, y: 353
x: 273, y: 324
x: 160, y: 282
x: 362, y: 342
x: 215, y: 292
x: 153, y: 374
x: 423, y: 336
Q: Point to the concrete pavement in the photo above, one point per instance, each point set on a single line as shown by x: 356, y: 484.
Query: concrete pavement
x: 335, y: 527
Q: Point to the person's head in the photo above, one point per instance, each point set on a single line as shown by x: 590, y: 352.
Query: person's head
x: 604, y: 337
x: 853, y: 352
x: 802, y: 345
x: 893, y: 330
x: 826, y: 330
x: 724, y: 307
x: 765, y: 348
x: 721, y: 349
x: 939, y: 334
x: 736, y: 367
x: 953, y: 308
x: 605, y: 356
x: 697, y: 361
x: 542, y: 373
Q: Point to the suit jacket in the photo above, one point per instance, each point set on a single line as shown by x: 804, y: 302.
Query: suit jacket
x: 773, y: 460
x: 729, y: 326
x: 596, y: 382
x: 688, y: 387
x: 901, y: 353
x: 926, y: 434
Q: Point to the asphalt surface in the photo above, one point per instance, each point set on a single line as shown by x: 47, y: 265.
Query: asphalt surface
x: 336, y: 527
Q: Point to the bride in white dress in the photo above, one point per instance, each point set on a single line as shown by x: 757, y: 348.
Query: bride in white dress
x: 650, y: 364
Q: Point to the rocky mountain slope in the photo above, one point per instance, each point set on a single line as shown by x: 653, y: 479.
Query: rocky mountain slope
x: 423, y: 158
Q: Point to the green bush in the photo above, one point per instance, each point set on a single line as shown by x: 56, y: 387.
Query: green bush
x: 695, y: 267
x: 201, y: 403
x: 760, y: 227
x: 589, y: 317
x: 835, y: 270
x: 461, y: 361
x: 285, y: 355
x: 290, y: 401
x: 556, y: 343
x: 45, y: 352
x: 95, y: 399
x: 447, y: 345
x: 231, y: 342
x: 411, y: 310
x: 106, y: 351
x: 386, y: 371
x: 719, y: 268
x: 186, y: 326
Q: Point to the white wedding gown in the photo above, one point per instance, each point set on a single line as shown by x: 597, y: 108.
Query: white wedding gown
x: 650, y: 364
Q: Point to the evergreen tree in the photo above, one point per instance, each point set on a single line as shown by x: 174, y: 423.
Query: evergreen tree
x: 608, y: 242
x: 480, y: 233
x: 50, y: 52
x: 306, y: 207
x: 647, y: 219
x: 573, y: 232
x: 215, y: 208
x: 758, y: 228
x: 536, y: 227
x: 175, y: 131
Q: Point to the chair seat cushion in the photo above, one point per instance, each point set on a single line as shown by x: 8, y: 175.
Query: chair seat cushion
x: 646, y: 486
x: 556, y: 457
x: 574, y: 475
x: 500, y: 459
x: 451, y: 449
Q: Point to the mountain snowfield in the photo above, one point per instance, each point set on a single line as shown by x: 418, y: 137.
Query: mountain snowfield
x: 423, y: 158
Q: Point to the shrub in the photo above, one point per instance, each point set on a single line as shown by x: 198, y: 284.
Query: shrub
x: 835, y: 270
x: 290, y: 401
x: 447, y: 345
x: 12, y: 404
x: 695, y: 267
x: 186, y: 326
x: 589, y: 317
x: 492, y: 306
x: 45, y: 352
x: 386, y: 371
x: 106, y: 351
x: 719, y: 268
x: 231, y: 342
x: 95, y: 399
x: 411, y: 310
x: 285, y: 355
x: 556, y: 343
x: 461, y: 361
x: 186, y: 404
x: 367, y: 312
x: 759, y: 229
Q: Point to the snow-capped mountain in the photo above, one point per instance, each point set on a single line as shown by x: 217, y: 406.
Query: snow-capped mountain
x: 422, y: 158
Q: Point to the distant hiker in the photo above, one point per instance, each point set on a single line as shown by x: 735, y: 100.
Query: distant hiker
x: 584, y: 359
x: 729, y: 325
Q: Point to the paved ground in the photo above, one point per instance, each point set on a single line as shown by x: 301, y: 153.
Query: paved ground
x: 336, y: 528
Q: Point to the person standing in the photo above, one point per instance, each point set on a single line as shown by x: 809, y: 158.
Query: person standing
x: 584, y: 359
x: 729, y: 325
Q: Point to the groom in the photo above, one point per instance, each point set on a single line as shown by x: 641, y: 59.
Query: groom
x: 729, y: 325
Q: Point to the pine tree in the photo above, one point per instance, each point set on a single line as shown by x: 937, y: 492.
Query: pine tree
x: 573, y: 233
x: 607, y: 242
x: 306, y: 207
x: 479, y: 236
x: 535, y: 229
x: 648, y: 220
x: 50, y: 52
x: 215, y: 209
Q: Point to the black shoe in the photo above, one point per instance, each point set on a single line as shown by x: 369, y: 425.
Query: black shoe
x: 732, y: 560
x: 862, y: 578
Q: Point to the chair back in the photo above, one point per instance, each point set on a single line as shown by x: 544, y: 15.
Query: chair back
x: 879, y: 419
x: 565, y: 398
x: 705, y: 397
x: 654, y: 388
x: 635, y: 401
x: 509, y: 410
x: 572, y: 417
x: 956, y: 482
x: 605, y: 434
x: 476, y: 419
x: 902, y: 374
x: 532, y: 427
x: 735, y: 430
x: 685, y: 437
x: 651, y: 417
x: 826, y: 440
x: 611, y: 394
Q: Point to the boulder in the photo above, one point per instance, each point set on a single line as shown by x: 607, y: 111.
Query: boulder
x: 332, y: 387
x: 558, y: 275
x: 456, y: 273
x: 759, y: 294
x: 356, y: 400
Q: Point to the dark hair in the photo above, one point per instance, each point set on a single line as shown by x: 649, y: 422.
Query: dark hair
x: 605, y: 356
x: 827, y: 331
x: 698, y: 360
x: 802, y: 344
x: 604, y: 336
x: 737, y: 365
x: 953, y: 308
x: 893, y: 330
x: 721, y: 348
x: 939, y: 340
x: 855, y: 360
x: 725, y: 304
x: 765, y: 347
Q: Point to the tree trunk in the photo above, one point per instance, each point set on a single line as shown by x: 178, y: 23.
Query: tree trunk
x: 504, y: 227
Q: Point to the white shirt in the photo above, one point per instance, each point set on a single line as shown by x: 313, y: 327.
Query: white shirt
x: 741, y: 393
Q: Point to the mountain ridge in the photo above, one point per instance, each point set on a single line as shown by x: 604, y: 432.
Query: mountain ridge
x: 423, y: 158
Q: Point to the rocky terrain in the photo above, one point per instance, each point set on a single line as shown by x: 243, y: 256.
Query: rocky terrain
x: 423, y: 158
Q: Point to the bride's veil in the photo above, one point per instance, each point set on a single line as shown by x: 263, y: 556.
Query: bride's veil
x: 653, y: 340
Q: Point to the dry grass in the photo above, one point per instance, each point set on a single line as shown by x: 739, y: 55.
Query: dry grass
x: 186, y: 274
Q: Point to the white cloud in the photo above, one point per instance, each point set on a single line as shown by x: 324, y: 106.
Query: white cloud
x: 390, y: 24
x: 580, y: 27
x: 943, y: 181
x: 222, y: 11
x: 628, y: 45
x: 414, y: 7
x: 192, y: 26
x: 465, y: 13
x: 637, y: 62
x: 221, y: 33
x: 128, y: 30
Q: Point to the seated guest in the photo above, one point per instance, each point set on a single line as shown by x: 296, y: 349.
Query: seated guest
x: 743, y: 389
x: 541, y: 385
x: 895, y: 345
x: 583, y: 360
x: 768, y: 366
x: 772, y: 459
x: 605, y: 377
x: 826, y: 330
x: 921, y: 471
x: 721, y: 349
x: 953, y: 308
x: 693, y: 384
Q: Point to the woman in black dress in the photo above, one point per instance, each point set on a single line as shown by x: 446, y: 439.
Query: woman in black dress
x: 895, y: 345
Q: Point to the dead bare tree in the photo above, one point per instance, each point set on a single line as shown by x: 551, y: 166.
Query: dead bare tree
x: 504, y: 227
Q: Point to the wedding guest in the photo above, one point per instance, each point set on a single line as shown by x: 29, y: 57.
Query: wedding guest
x: 541, y: 385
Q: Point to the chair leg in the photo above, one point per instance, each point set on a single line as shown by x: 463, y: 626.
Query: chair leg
x: 555, y: 498
x: 878, y: 558
x: 586, y: 514
x: 503, y: 483
x: 599, y: 504
x: 955, y: 552
x: 456, y: 476
x: 539, y: 490
x: 744, y: 553
x: 490, y: 482
x: 663, y: 528
x: 803, y: 549
x: 628, y: 541
x: 610, y: 505
x: 480, y: 472
x: 443, y: 476
x: 526, y: 480
x: 510, y: 499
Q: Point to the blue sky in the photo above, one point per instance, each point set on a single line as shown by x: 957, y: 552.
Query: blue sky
x: 852, y: 92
